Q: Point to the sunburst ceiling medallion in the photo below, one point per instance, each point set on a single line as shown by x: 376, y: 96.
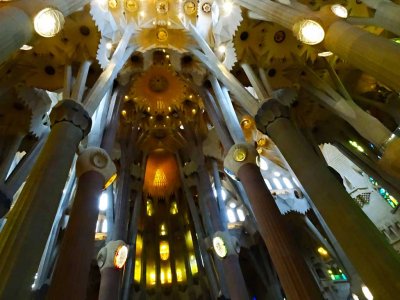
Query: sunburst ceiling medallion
x: 158, y: 89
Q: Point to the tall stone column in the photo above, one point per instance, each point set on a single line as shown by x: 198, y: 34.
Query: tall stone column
x: 110, y: 276
x: 373, y: 54
x: 292, y: 270
x: 17, y: 30
x: 94, y: 168
x: 25, y: 233
x: 357, y: 235
x: 8, y: 148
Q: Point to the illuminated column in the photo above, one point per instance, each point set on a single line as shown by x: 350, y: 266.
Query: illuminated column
x: 111, y: 276
x: 293, y: 272
x: 356, y: 234
x: 29, y: 223
x: 229, y: 269
x: 232, y: 273
x: 374, y: 55
x: 94, y: 169
x: 111, y: 257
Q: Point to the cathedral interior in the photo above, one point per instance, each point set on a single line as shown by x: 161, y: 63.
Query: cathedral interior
x: 209, y: 149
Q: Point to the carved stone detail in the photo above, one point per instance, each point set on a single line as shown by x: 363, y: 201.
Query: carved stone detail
x: 71, y: 111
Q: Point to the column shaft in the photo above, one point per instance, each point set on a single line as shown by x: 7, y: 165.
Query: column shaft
x: 25, y: 234
x: 364, y: 50
x: 73, y: 265
x: 16, y: 30
x: 231, y: 268
x: 7, y: 153
x: 354, y: 231
x: 293, y: 272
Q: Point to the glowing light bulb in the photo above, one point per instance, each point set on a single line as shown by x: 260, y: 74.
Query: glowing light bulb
x: 309, y: 32
x: 48, y: 22
x: 222, y: 49
x: 339, y: 10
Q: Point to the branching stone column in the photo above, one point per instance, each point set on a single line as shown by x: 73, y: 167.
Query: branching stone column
x: 357, y: 235
x: 292, y: 270
x: 28, y: 225
x: 373, y: 54
x: 94, y: 169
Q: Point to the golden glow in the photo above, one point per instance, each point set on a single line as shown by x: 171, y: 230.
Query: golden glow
x: 121, y: 254
x: 112, y: 4
x: 179, y: 276
x: 48, y: 22
x: 193, y: 264
x: 110, y: 181
x: 169, y: 275
x: 160, y: 180
x: 138, y: 257
x: 309, y: 32
x: 164, y: 250
x: 149, y: 208
x: 131, y: 5
x: 165, y: 273
x: 163, y: 229
x: 357, y: 146
x: 152, y: 278
x: 150, y: 274
x: 189, y: 240
x: 240, y: 154
x: 138, y: 270
x: 180, y: 271
x: 322, y: 251
x: 139, y: 245
x: 174, y: 208
x: 161, y: 163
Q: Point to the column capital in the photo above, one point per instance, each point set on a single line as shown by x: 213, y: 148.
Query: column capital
x: 270, y: 111
x: 239, y: 155
x: 98, y: 160
x: 71, y: 111
x: 113, y: 252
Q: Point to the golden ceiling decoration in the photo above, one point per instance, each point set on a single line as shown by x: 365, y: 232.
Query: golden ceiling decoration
x: 249, y: 40
x: 161, y: 177
x: 158, y: 89
x: 163, y: 37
